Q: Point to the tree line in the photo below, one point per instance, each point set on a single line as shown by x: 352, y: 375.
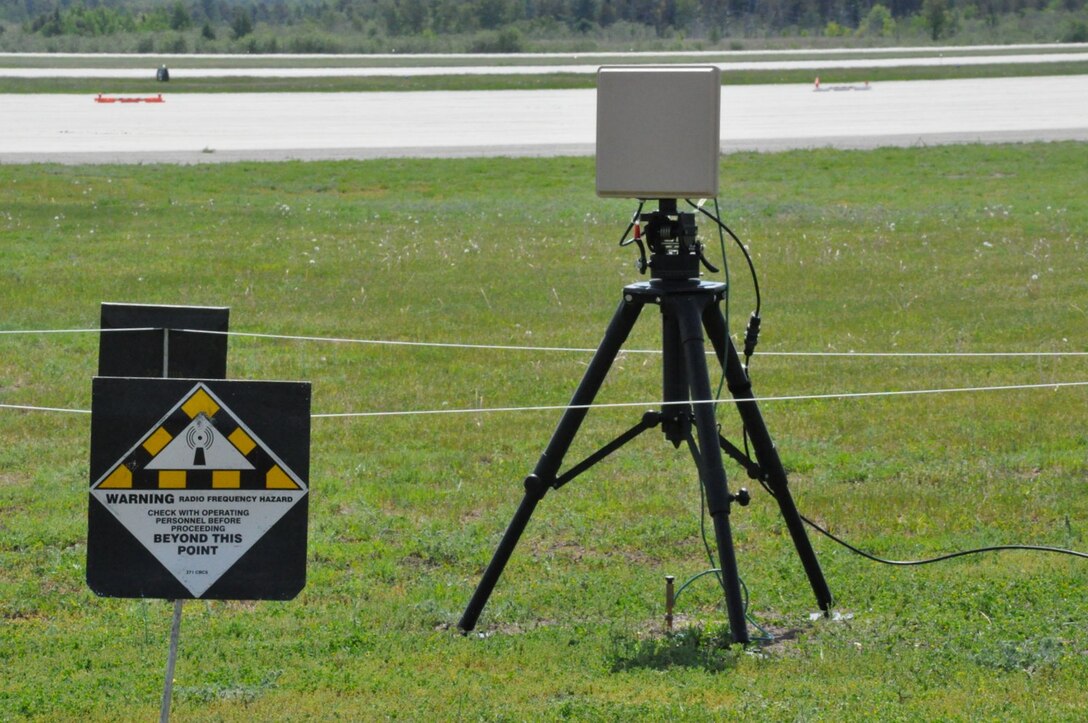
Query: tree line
x: 510, y: 24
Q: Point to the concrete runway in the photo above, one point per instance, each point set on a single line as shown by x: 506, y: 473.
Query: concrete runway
x: 195, y: 128
x: 569, y: 68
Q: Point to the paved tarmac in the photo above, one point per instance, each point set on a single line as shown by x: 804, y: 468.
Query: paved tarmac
x: 195, y: 128
x: 567, y: 68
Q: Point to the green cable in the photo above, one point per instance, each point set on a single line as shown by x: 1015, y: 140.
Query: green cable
x: 728, y: 289
x: 766, y: 637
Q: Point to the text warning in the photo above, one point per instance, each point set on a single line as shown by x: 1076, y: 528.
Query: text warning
x: 198, y: 503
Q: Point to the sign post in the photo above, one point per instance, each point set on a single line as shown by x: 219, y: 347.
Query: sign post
x: 199, y: 486
x: 136, y: 342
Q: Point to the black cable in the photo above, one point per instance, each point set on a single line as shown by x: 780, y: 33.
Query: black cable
x: 726, y: 314
x: 940, y: 558
x: 624, y: 241
x: 751, y: 332
x: 725, y: 263
x: 716, y: 217
x: 743, y: 250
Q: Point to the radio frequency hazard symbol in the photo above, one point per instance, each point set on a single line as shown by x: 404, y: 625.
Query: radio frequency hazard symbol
x: 198, y: 490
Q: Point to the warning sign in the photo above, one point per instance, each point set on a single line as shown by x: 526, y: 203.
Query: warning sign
x: 207, y: 498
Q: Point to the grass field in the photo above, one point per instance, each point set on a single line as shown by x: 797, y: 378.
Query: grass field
x: 400, y: 60
x: 180, y: 83
x: 957, y: 249
x: 549, y: 81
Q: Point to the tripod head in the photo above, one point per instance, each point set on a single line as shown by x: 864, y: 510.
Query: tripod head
x: 675, y: 252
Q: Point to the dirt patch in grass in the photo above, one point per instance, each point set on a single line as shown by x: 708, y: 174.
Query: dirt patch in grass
x: 10, y: 479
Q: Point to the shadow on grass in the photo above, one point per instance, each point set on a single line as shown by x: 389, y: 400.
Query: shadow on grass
x: 693, y: 647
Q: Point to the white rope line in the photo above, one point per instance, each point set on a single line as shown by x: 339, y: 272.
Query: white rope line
x: 613, y: 405
x: 29, y: 408
x: 75, y: 331
x: 500, y: 347
x: 925, y: 353
x: 393, y: 342
x: 567, y: 349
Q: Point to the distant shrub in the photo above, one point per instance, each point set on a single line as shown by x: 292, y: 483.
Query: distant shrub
x: 834, y: 30
x: 313, y: 43
x: 507, y: 40
x: 878, y: 23
x: 176, y: 45
x: 1077, y: 32
x: 241, y: 24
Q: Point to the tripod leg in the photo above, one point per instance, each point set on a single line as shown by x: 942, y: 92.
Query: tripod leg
x: 712, y: 472
x: 534, y: 492
x: 676, y: 411
x: 766, y: 454
x: 543, y: 476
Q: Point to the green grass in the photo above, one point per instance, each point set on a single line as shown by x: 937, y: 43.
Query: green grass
x: 958, y: 248
x: 551, y: 81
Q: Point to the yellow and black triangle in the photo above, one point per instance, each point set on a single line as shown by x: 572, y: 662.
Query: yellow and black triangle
x: 200, y: 444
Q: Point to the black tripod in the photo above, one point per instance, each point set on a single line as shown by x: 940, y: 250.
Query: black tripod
x: 688, y: 306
